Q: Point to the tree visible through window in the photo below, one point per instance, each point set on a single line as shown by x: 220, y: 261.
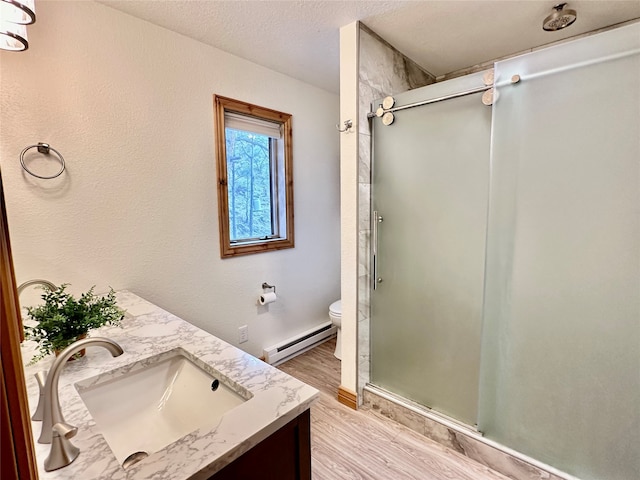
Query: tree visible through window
x: 249, y: 172
x: 255, y: 180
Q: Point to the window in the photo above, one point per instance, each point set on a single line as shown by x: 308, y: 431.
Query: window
x: 255, y: 178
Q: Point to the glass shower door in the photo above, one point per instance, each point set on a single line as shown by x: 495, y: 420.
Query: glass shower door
x: 430, y: 188
x: 561, y: 336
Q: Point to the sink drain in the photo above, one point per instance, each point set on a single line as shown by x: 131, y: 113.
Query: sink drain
x: 133, y: 459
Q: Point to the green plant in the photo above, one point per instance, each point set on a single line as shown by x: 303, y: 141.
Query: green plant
x: 62, y: 318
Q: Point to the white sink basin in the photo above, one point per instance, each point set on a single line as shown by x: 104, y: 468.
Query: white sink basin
x: 150, y: 404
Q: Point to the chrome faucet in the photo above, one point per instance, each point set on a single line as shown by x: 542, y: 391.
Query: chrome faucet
x: 54, y: 428
x: 28, y: 283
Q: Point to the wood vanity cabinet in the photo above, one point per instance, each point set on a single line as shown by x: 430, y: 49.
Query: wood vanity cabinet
x: 285, y: 455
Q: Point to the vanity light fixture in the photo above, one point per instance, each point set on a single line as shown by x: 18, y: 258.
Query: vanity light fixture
x: 15, y: 15
x: 22, y: 12
x: 13, y: 36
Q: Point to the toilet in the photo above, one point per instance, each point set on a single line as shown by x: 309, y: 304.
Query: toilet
x: 335, y: 314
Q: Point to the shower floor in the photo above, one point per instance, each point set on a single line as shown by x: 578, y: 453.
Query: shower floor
x: 364, y: 444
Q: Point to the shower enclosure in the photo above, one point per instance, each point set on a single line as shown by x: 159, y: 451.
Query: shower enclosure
x: 506, y: 253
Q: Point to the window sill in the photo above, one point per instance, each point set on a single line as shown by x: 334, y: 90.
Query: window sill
x: 247, y: 248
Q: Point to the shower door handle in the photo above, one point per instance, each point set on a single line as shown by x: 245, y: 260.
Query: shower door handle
x: 375, y: 220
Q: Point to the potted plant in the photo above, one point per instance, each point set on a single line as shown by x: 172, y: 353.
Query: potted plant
x: 62, y: 319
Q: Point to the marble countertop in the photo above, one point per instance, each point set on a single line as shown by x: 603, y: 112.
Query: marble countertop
x: 146, y: 331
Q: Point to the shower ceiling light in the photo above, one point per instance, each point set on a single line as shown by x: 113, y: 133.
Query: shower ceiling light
x: 13, y: 37
x: 559, y: 19
x: 18, y: 11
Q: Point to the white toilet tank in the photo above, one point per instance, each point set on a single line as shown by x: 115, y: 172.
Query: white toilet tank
x: 335, y: 313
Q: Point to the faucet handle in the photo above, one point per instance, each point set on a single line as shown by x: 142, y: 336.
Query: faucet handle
x: 41, y: 378
x: 65, y: 430
x: 63, y: 452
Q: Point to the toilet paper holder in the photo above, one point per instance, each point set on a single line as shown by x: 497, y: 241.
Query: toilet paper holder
x: 266, y: 286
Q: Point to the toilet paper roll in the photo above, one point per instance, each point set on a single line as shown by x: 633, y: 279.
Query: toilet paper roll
x: 267, y: 298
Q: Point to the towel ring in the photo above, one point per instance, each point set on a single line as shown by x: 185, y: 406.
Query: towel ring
x: 42, y: 148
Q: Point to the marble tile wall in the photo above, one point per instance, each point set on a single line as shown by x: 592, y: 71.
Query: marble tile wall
x: 382, y: 71
x: 468, y: 445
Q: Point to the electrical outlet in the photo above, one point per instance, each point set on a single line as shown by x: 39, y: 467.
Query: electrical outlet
x: 243, y: 334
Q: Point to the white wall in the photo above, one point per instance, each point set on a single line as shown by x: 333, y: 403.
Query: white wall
x: 129, y: 105
x: 349, y: 203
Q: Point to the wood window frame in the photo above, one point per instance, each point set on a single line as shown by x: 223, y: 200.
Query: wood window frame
x: 227, y: 249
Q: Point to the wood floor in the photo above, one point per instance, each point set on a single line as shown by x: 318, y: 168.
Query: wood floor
x: 348, y: 444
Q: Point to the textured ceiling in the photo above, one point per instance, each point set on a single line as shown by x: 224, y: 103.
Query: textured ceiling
x: 301, y: 38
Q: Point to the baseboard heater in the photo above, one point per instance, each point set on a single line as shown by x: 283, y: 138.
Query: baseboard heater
x: 283, y: 351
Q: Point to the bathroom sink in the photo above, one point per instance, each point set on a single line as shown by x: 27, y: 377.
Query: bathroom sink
x: 150, y: 404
